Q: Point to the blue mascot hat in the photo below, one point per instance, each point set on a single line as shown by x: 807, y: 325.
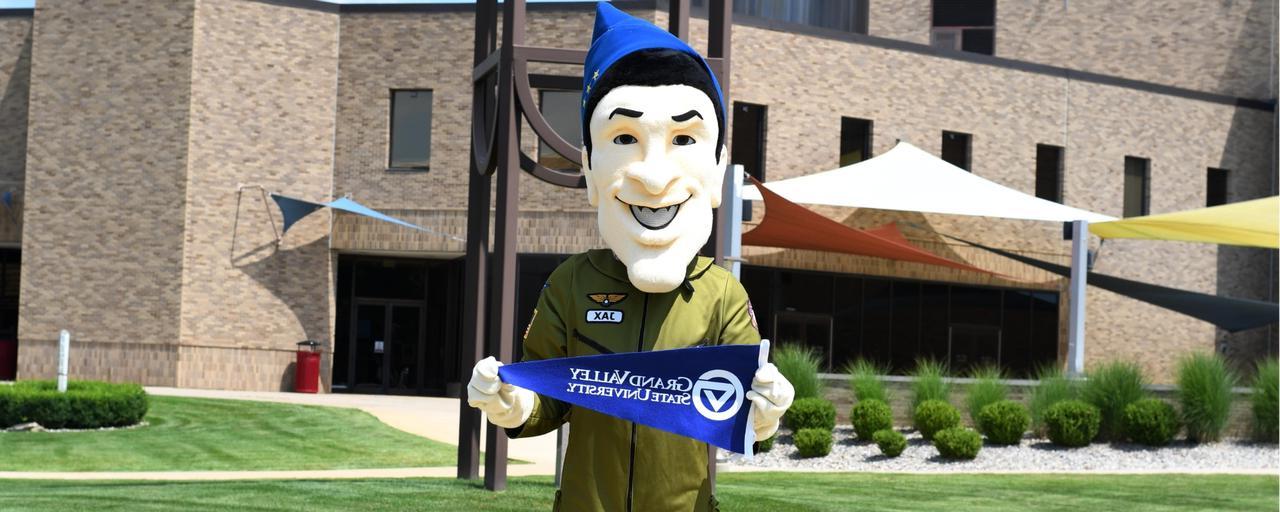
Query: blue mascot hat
x: 618, y: 34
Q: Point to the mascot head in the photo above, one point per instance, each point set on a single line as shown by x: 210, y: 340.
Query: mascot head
x: 653, y: 146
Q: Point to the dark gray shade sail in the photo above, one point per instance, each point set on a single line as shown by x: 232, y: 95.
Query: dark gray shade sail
x: 1228, y: 313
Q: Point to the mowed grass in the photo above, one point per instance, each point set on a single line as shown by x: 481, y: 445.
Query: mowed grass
x: 762, y: 492
x: 190, y: 434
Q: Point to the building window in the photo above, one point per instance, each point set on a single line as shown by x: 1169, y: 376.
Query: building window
x: 1137, y: 186
x: 560, y: 108
x: 955, y: 149
x: 749, y: 133
x: 410, y: 130
x: 1216, y: 188
x: 842, y: 15
x: 1049, y: 172
x: 855, y: 140
x: 966, y: 25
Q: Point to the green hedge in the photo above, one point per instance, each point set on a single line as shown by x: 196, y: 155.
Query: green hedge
x: 1004, y: 422
x: 932, y: 416
x: 869, y: 417
x: 957, y: 443
x: 813, y: 442
x: 810, y: 413
x: 1150, y: 421
x: 86, y: 404
x: 1072, y: 422
x: 891, y: 442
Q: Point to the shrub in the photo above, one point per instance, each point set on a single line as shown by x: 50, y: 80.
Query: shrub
x: 1053, y: 387
x: 933, y: 416
x: 86, y: 404
x: 1004, y: 422
x: 1266, y: 402
x: 813, y: 442
x: 1072, y: 422
x: 811, y: 413
x: 958, y: 443
x: 1204, y: 392
x: 988, y: 388
x: 891, y: 442
x: 1151, y: 422
x: 869, y: 417
x: 1111, y: 388
x: 864, y: 380
x: 764, y: 446
x: 929, y: 383
x: 799, y: 364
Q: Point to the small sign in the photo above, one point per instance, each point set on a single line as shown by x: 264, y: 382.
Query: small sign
x: 377, y: 347
x: 604, y: 316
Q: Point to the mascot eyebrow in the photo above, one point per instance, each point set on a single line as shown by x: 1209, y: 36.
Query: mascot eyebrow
x: 680, y: 118
x: 626, y: 112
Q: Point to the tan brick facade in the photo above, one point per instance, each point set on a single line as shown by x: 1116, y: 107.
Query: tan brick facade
x: 132, y: 210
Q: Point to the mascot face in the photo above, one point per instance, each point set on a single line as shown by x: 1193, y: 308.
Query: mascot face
x: 654, y: 176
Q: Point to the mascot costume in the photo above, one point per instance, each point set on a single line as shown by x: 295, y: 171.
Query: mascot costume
x: 654, y: 157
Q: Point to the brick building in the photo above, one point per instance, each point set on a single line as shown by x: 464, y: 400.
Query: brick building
x: 136, y: 134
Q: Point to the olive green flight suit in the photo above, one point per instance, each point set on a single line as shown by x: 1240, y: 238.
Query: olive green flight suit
x: 613, y: 464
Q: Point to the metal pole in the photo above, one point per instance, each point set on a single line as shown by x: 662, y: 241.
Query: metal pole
x: 731, y: 218
x: 562, y: 443
x: 64, y: 349
x: 1076, y: 297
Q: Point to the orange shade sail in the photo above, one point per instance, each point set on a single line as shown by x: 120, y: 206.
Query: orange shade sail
x: 791, y: 226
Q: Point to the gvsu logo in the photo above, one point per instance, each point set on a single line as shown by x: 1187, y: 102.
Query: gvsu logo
x: 717, y: 395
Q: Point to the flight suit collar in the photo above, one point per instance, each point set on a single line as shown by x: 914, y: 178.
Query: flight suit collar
x: 604, y: 261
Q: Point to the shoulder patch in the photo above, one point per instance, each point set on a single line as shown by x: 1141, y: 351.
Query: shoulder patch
x: 751, y: 312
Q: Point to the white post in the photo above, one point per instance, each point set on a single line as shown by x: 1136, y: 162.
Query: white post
x: 562, y: 443
x: 64, y: 348
x: 731, y: 218
x: 1076, y: 297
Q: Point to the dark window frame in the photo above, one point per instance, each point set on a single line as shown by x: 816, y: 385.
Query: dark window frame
x: 868, y: 139
x: 962, y: 29
x: 968, y: 149
x: 1145, y: 206
x: 763, y: 137
x: 1059, y: 178
x: 391, y: 136
x: 1223, y: 188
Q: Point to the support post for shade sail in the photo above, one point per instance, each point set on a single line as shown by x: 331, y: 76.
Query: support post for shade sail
x: 1076, y: 300
x: 731, y: 218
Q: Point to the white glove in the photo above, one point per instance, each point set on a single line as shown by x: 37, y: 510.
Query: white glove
x: 771, y: 394
x: 506, y: 406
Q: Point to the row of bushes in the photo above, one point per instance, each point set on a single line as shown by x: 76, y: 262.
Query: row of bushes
x: 86, y: 404
x: 1112, y: 404
x: 1204, y: 398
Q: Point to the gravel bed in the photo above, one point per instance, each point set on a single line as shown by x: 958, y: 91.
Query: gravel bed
x: 1032, y: 455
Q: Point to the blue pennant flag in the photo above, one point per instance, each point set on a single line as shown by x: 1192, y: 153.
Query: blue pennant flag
x: 694, y: 392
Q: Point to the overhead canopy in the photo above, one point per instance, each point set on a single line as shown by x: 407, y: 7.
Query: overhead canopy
x: 792, y: 226
x: 293, y: 210
x: 907, y: 178
x: 1225, y: 312
x: 1253, y: 223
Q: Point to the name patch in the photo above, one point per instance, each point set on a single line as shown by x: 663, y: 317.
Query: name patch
x: 606, y: 316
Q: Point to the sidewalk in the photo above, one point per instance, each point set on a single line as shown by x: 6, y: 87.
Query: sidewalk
x: 432, y: 418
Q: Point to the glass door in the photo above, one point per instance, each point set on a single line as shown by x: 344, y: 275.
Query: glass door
x: 369, y: 336
x: 405, y: 352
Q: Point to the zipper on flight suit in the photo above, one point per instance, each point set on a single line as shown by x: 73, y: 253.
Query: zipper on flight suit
x: 631, y: 469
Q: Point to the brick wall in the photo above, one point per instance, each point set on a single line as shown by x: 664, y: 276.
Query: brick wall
x: 15, y: 80
x: 262, y: 113
x: 106, y: 187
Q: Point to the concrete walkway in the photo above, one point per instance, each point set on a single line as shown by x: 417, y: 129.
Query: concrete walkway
x: 432, y: 418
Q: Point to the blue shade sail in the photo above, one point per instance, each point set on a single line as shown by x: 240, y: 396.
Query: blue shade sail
x: 293, y: 210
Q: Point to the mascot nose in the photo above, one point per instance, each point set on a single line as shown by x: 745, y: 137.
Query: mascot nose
x: 655, y: 174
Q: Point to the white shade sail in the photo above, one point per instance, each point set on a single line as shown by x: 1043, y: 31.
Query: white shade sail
x: 908, y: 179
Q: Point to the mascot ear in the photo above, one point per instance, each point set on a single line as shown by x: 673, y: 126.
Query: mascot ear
x: 717, y: 183
x: 592, y: 198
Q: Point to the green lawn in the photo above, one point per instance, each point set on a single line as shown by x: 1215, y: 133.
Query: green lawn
x: 187, y: 434
x: 763, y: 492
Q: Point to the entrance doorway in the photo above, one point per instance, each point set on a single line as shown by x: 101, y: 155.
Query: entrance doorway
x: 397, y: 326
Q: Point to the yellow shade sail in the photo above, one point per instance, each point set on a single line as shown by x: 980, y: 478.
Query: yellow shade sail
x: 1253, y: 223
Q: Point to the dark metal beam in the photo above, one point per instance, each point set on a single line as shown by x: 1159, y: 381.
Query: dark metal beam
x: 678, y: 20
x: 476, y: 269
